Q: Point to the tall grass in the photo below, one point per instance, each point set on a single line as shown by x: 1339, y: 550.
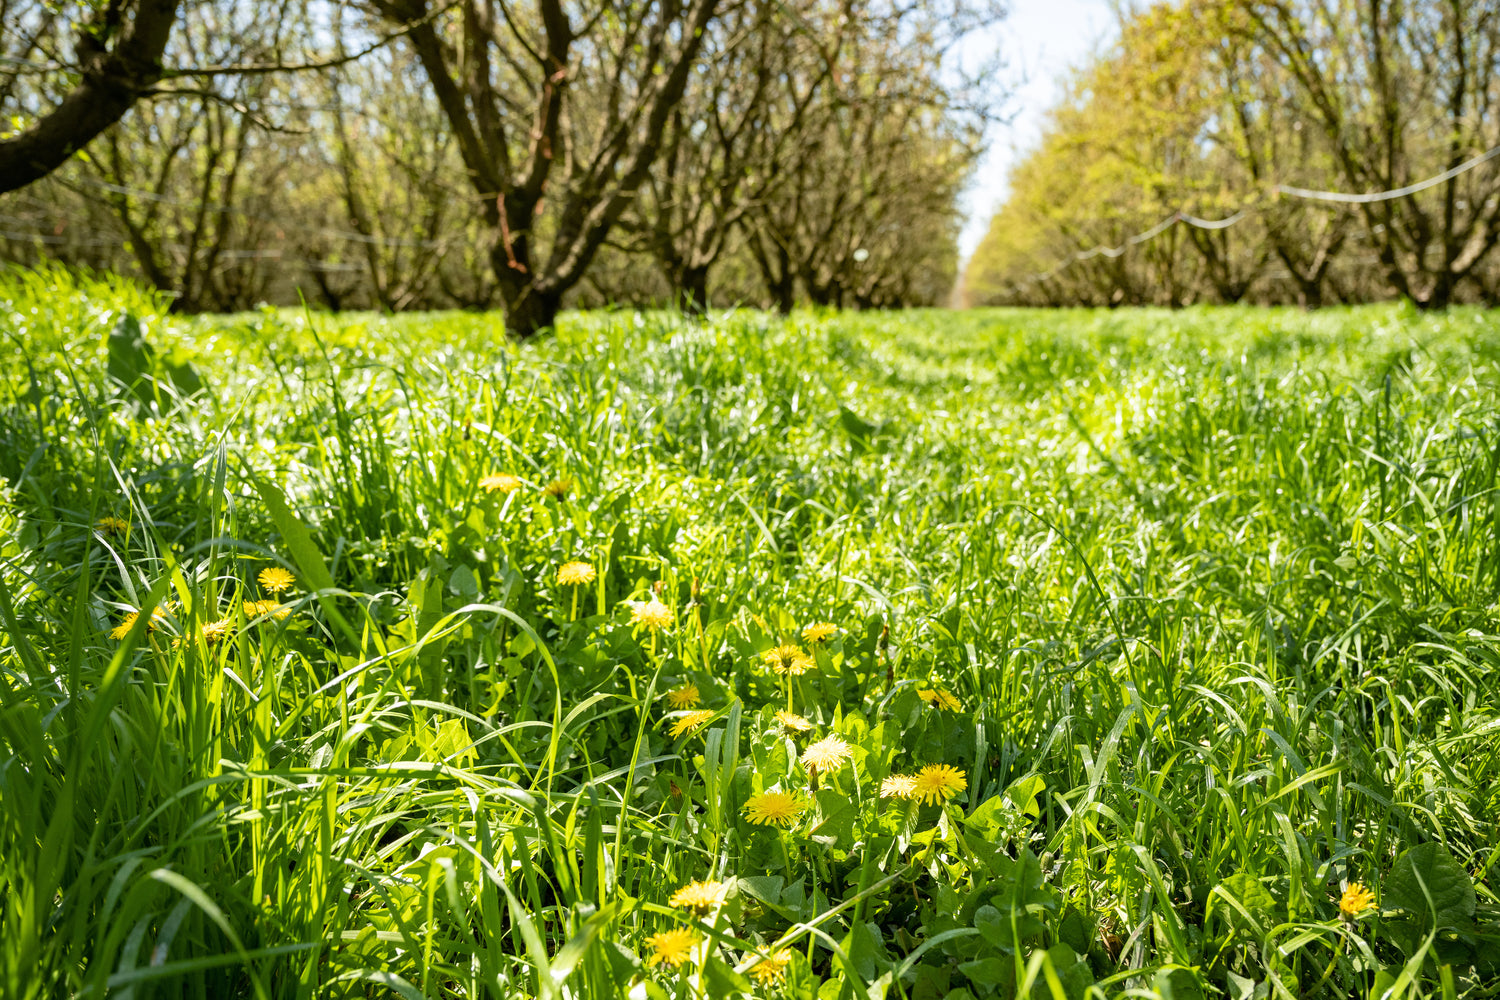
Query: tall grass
x: 1215, y: 592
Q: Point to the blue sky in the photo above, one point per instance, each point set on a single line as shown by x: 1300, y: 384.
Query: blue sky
x: 1040, y: 40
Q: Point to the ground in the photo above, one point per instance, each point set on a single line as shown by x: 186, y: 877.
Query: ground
x: 1126, y: 649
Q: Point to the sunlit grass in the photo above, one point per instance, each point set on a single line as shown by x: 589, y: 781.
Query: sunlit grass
x: 1115, y: 648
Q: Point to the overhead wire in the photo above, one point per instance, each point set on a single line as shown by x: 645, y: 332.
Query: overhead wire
x: 1308, y: 194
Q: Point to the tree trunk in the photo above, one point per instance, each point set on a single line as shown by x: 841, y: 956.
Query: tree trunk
x: 1441, y: 295
x: 692, y: 290
x: 1309, y: 292
x: 777, y: 273
x: 783, y: 295
x: 529, y: 311
x: 109, y: 84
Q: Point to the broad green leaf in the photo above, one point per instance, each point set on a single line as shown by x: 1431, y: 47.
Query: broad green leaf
x: 1429, y: 884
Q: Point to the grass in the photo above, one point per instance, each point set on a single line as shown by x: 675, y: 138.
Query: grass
x: 1214, y: 592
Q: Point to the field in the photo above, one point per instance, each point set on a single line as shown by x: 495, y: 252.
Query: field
x: 1147, y: 640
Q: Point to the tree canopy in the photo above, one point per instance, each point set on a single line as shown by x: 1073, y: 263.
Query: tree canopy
x: 473, y: 153
x: 1206, y: 109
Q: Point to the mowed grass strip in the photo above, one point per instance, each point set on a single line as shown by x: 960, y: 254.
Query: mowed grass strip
x: 909, y: 655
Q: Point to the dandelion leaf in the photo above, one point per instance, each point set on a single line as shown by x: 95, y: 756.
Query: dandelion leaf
x: 1023, y: 794
x: 1433, y: 893
x: 839, y: 817
x: 766, y: 888
x: 1257, y: 910
x: 988, y: 972
x: 1073, y: 973
x: 722, y: 981
x: 142, y: 373
x: 1431, y: 886
x: 453, y: 745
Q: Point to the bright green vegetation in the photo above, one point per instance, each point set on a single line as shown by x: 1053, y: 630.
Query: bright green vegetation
x: 1215, y: 592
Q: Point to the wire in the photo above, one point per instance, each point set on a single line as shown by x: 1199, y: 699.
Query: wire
x: 341, y: 234
x: 1276, y: 189
x: 1365, y: 199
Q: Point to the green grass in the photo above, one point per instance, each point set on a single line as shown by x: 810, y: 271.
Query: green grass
x: 1216, y: 592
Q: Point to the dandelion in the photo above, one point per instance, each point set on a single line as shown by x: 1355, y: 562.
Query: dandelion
x: 699, y: 895
x: 121, y: 630
x: 898, y: 786
x: 819, y: 632
x: 671, y: 947
x: 653, y: 614
x: 113, y: 525
x: 940, y: 699
x: 691, y: 721
x: 573, y: 574
x: 214, y: 631
x: 211, y: 631
x: 559, y: 488
x: 1356, y: 900
x: 772, y: 968
x: 500, y: 483
x: 254, y: 609
x: 683, y: 697
x: 788, y: 660
x: 773, y: 809
x: 938, y: 783
x: 826, y: 754
x: 275, y: 579
x: 793, y: 722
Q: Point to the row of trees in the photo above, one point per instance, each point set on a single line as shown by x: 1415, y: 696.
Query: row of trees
x: 470, y: 153
x: 1207, y: 107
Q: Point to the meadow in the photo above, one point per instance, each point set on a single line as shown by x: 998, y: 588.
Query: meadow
x: 1003, y: 653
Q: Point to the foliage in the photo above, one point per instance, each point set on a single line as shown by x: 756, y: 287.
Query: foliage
x: 1209, y: 107
x: 401, y: 154
x: 1215, y: 594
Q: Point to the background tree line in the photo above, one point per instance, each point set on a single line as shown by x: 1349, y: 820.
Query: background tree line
x: 1206, y: 107
x: 404, y: 154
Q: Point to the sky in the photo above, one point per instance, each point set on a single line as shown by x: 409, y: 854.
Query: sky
x: 1040, y: 40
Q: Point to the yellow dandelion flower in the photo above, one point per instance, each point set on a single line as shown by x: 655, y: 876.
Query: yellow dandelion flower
x: 559, y: 488
x: 1356, y: 900
x: 789, y: 659
x: 772, y: 968
x: 940, y: 699
x: 653, y: 614
x: 671, y: 947
x: 898, y: 786
x: 938, y: 783
x: 254, y: 609
x: 683, y: 697
x: 819, y: 632
x: 214, y: 631
x: 572, y: 574
x: 275, y: 579
x: 500, y: 483
x: 211, y: 632
x: 113, y: 525
x: 121, y: 630
x: 792, y: 722
x: 826, y: 754
x: 691, y: 721
x: 773, y: 809
x: 699, y: 895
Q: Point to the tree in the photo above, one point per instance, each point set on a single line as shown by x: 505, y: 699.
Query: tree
x: 558, y: 118
x: 1321, y: 121
x: 746, y: 109
x: 1402, y: 91
x: 862, y: 208
x: 116, y: 59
